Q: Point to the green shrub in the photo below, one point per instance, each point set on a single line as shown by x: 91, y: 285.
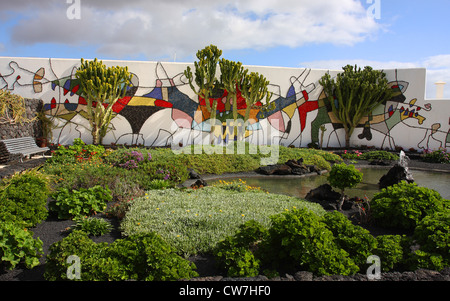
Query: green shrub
x: 355, y: 240
x: 404, y: 205
x: 76, y: 243
x: 432, y: 234
x: 147, y: 256
x: 92, y: 226
x: 390, y: 250
x: 17, y: 245
x: 235, y: 254
x: 316, y: 157
x: 379, y: 155
x: 426, y: 260
x: 298, y: 238
x: 344, y: 176
x: 138, y: 257
x: 23, y: 198
x: 78, y: 203
x: 370, y: 155
x: 159, y: 184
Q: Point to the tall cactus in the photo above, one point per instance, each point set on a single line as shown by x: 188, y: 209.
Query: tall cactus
x: 230, y: 78
x: 102, y: 88
x: 254, y: 88
x: 354, y: 94
x: 205, y: 77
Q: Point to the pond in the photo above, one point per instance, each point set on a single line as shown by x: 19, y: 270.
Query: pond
x: 299, y: 187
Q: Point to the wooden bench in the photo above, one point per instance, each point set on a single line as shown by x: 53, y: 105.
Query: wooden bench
x: 25, y: 146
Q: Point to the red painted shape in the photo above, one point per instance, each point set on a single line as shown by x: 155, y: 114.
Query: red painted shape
x: 305, y: 95
x: 82, y: 101
x: 75, y: 89
x: 304, y: 109
x: 163, y: 103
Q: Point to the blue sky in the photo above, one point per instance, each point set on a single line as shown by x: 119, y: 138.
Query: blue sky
x: 289, y: 33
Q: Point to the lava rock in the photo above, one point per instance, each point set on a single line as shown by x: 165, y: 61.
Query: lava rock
x: 394, y: 176
x: 193, y: 174
x: 304, y: 276
x: 199, y: 183
x: 323, y: 193
x: 313, y: 168
x: 291, y: 167
x: 277, y: 169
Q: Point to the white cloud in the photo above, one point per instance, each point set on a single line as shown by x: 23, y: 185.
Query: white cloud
x: 438, y: 69
x: 160, y: 28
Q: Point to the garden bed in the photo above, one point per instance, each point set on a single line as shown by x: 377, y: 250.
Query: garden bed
x: 52, y: 230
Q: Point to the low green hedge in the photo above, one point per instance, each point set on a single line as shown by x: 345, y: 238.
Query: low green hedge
x: 330, y: 245
x: 404, y: 205
x: 138, y: 257
x: 23, y: 198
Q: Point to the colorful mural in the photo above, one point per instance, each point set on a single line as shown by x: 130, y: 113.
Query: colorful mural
x: 160, y: 109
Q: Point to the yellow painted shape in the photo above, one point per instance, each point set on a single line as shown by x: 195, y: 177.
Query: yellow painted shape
x: 290, y: 110
x: 142, y: 101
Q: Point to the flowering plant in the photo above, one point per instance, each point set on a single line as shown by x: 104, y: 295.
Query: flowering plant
x: 438, y: 156
x: 363, y: 206
x: 133, y: 158
x: 351, y: 155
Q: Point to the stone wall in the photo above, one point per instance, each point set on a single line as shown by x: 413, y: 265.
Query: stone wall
x: 33, y: 129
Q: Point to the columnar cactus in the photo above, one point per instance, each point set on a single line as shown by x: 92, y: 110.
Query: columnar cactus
x: 230, y: 78
x: 354, y: 94
x: 254, y: 88
x: 102, y: 88
x: 205, y: 77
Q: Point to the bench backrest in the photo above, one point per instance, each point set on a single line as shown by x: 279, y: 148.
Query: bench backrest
x: 17, y: 144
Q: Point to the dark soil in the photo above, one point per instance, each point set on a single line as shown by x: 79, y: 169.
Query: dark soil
x: 53, y: 230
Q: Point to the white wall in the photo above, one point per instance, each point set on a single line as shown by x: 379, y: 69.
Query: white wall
x: 171, y: 112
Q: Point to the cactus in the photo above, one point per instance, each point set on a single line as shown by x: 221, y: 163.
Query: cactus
x: 205, y: 77
x: 355, y: 93
x: 102, y: 87
x: 254, y: 88
x: 230, y: 78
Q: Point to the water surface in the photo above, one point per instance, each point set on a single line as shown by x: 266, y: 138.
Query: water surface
x: 299, y: 187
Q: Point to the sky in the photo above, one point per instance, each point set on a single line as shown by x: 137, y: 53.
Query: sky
x: 323, y: 34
